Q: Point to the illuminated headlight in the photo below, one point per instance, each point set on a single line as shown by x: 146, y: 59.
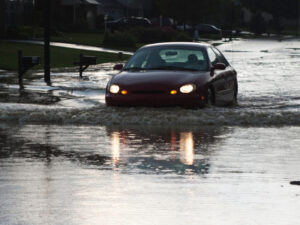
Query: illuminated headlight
x: 114, y: 89
x: 187, y: 88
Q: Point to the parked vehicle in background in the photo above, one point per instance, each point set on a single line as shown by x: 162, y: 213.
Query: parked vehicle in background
x: 127, y: 22
x: 208, y: 29
x: 184, y: 27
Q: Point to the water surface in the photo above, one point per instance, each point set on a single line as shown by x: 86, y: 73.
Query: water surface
x: 116, y: 175
x: 66, y: 158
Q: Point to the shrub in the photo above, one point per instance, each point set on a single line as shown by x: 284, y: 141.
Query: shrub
x: 182, y: 36
x: 119, y: 39
x: 25, y: 32
x: 152, y: 35
x: 257, y: 24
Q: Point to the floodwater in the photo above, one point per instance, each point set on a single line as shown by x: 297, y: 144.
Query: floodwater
x: 65, y: 158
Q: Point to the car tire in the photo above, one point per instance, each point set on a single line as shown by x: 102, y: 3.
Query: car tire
x: 210, y: 96
x: 235, y: 91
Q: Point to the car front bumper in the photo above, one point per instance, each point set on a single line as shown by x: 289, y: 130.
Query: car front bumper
x: 156, y: 100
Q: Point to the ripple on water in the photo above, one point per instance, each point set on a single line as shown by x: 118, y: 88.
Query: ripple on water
x: 102, y: 115
x: 268, y: 94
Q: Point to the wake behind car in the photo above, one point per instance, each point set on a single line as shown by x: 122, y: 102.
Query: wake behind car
x: 174, y: 74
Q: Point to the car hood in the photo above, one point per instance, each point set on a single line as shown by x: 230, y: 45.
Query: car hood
x: 158, y: 78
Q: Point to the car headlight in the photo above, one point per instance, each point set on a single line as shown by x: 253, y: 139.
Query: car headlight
x: 187, y: 88
x: 114, y: 89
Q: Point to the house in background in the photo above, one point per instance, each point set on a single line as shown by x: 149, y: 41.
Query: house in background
x: 116, y: 9
x: 80, y: 12
x: 140, y: 8
x: 71, y: 14
x: 15, y: 13
x: 111, y: 8
x: 18, y: 12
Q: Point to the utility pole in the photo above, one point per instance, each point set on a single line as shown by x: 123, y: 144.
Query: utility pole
x: 47, y: 13
x: 2, y: 19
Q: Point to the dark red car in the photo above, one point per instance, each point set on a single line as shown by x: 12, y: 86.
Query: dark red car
x: 174, y: 74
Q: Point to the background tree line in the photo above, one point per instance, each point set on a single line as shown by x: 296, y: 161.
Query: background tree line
x: 228, y: 13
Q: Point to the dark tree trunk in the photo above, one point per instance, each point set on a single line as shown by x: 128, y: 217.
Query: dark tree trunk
x: 47, y: 13
x: 2, y: 19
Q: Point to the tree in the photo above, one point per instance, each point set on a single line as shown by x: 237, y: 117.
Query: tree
x: 183, y: 11
x: 56, y: 10
x: 219, y: 12
x: 277, y: 8
x: 258, y: 24
x: 2, y: 19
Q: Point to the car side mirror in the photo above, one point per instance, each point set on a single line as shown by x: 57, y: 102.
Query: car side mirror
x: 118, y: 67
x: 218, y: 66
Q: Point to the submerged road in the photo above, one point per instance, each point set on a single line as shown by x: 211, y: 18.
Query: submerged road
x: 66, y: 158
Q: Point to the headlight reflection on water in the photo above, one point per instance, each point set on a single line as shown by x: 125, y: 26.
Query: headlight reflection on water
x: 186, y: 148
x: 115, y: 147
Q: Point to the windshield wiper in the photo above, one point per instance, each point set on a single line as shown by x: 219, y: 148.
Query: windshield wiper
x: 161, y: 68
x: 134, y: 68
x: 172, y: 68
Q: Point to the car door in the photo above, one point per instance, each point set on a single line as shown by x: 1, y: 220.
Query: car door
x: 229, y: 75
x: 218, y: 79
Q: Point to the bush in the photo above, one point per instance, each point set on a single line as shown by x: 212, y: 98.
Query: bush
x: 165, y: 34
x: 152, y: 35
x: 145, y: 36
x: 119, y: 39
x: 258, y: 24
x: 183, y: 36
x: 211, y: 36
x: 25, y: 32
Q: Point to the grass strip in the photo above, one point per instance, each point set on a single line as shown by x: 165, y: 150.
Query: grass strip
x: 60, y: 57
x: 92, y: 39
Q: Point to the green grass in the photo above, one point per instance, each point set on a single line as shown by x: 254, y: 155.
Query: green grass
x: 60, y: 57
x: 93, y: 39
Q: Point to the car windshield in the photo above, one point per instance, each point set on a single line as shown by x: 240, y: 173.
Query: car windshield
x: 168, y: 58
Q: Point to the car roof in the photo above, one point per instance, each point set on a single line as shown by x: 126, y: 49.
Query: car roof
x: 177, y: 44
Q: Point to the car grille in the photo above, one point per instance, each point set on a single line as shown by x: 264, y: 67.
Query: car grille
x: 148, y: 92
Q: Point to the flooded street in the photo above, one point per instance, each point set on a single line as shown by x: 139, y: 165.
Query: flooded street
x: 111, y: 175
x: 66, y: 158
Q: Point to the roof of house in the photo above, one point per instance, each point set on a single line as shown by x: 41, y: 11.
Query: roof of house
x: 110, y: 3
x: 79, y: 2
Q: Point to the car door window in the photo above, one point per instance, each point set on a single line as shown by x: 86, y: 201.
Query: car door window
x: 220, y: 56
x: 140, y: 60
x: 212, y: 56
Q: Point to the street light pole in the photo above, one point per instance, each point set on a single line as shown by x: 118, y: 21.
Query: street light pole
x: 2, y: 19
x: 127, y: 8
x: 105, y: 23
x: 47, y: 8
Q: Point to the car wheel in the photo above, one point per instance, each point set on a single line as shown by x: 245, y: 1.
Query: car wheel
x: 210, y: 96
x: 235, y: 91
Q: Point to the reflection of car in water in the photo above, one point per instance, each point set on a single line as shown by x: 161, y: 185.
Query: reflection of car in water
x: 148, y: 150
x: 127, y: 22
x: 165, y: 150
x: 171, y: 74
